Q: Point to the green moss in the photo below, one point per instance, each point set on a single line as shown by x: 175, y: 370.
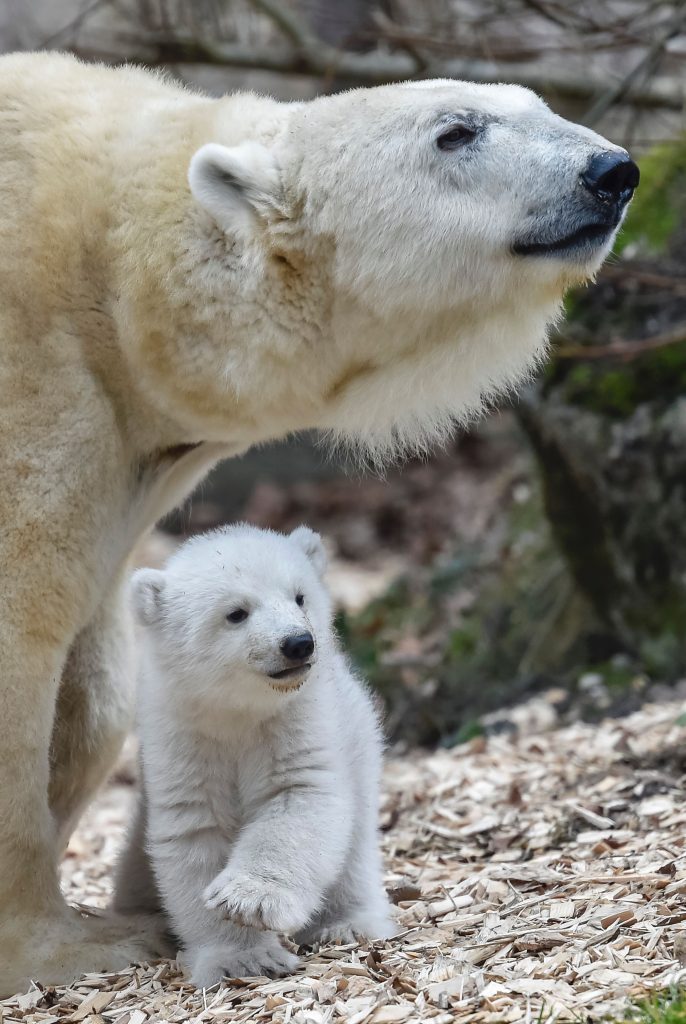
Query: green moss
x: 612, y: 391
x: 660, y: 203
x: 616, y: 390
x: 469, y: 731
x: 662, y: 655
x: 617, y: 677
x: 461, y: 643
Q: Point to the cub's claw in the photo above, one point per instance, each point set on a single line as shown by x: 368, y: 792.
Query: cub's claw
x: 255, y: 902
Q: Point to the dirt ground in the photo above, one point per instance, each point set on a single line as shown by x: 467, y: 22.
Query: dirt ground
x: 538, y: 874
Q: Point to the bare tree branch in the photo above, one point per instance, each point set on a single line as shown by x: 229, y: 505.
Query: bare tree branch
x: 377, y: 68
x: 640, y: 72
x: 626, y: 271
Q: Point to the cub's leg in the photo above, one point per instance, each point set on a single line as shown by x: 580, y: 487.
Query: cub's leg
x: 185, y: 858
x: 94, y: 711
x: 135, y: 886
x: 286, y: 858
x: 356, y: 906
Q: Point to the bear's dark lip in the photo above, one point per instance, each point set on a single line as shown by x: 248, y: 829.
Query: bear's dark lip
x: 288, y: 673
x: 593, y: 233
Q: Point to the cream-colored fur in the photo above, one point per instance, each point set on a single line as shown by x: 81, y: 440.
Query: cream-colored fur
x: 329, y: 266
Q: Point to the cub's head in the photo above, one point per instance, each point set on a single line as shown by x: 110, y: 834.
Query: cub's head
x: 414, y: 241
x: 238, y: 616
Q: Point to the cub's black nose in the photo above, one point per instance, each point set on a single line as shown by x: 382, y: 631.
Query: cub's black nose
x: 297, y: 647
x: 611, y: 177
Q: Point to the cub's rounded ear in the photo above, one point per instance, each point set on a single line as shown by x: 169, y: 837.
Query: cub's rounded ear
x: 311, y: 543
x: 147, y: 595
x: 237, y: 186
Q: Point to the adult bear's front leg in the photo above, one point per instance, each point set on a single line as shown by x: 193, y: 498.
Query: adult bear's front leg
x: 40, y: 937
x: 63, y: 534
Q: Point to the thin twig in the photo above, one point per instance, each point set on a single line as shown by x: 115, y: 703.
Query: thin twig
x: 649, y: 278
x: 73, y: 26
x: 622, y: 349
x: 289, y: 24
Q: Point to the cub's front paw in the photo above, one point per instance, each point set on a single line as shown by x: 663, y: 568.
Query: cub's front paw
x: 256, y: 902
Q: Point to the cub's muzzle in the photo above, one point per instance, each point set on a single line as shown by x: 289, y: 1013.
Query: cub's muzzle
x: 297, y: 650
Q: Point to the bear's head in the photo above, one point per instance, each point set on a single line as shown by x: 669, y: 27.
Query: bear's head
x: 238, y: 617
x: 383, y: 262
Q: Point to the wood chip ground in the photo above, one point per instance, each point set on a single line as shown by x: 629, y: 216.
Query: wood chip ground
x: 537, y: 875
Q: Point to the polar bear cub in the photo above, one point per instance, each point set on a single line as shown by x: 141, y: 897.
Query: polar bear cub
x: 261, y: 756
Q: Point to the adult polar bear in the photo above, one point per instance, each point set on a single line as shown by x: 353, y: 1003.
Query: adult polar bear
x: 375, y: 264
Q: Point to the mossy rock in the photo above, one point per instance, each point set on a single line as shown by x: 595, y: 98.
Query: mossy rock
x: 659, y: 209
x: 610, y: 435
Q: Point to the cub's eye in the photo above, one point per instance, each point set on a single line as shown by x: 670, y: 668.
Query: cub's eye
x: 239, y: 615
x: 456, y: 136
x: 300, y: 600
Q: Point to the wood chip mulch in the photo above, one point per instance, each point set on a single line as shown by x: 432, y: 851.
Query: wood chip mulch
x: 537, y: 876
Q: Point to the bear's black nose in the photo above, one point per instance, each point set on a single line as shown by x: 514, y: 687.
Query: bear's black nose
x: 298, y: 646
x: 611, y: 177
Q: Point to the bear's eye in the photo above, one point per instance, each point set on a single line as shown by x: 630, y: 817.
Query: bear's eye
x: 455, y: 136
x: 238, y: 615
x: 300, y: 600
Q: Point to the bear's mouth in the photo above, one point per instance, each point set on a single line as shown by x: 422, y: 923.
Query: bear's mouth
x: 588, y: 236
x: 297, y: 673
x: 288, y: 673
x: 586, y: 239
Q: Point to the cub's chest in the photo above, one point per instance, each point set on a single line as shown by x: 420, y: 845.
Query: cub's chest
x: 238, y: 785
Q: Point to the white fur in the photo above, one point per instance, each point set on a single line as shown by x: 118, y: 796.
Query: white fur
x: 261, y: 795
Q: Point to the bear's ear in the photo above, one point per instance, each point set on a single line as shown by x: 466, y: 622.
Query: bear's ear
x: 311, y: 543
x: 147, y: 591
x: 237, y: 186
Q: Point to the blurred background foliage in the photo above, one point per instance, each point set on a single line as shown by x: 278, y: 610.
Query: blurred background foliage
x: 545, y: 551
